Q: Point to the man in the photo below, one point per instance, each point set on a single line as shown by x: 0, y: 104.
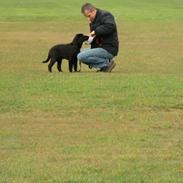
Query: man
x: 104, y: 45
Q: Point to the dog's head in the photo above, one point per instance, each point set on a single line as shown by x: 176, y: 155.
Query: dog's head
x: 79, y: 39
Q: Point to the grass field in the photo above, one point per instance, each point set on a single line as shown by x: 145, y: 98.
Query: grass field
x: 88, y: 127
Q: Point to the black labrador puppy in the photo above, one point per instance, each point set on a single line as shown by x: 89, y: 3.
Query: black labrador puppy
x: 66, y: 51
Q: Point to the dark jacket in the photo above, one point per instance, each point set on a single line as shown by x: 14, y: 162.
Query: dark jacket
x: 106, y: 32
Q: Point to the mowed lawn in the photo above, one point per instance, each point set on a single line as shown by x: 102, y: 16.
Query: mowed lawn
x: 88, y: 127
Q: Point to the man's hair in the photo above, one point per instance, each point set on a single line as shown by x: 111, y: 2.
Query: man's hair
x: 87, y: 6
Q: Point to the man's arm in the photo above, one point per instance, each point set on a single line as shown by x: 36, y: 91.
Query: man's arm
x: 107, y: 27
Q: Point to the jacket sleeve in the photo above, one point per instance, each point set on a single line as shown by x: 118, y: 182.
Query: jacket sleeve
x: 107, y: 27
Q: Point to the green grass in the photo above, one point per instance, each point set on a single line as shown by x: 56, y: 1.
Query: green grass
x: 88, y: 127
x: 128, y: 10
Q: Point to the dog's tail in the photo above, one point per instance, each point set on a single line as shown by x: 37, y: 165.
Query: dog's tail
x: 47, y: 59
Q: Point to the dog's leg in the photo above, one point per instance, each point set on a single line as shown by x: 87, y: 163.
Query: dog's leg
x: 50, y: 65
x: 70, y: 65
x: 59, y: 64
x: 75, y: 63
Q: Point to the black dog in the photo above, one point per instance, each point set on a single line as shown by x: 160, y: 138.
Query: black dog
x: 66, y: 51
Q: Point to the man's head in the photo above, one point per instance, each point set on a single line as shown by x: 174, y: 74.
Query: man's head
x: 89, y: 11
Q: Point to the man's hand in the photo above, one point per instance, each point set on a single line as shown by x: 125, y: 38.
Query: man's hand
x: 92, y: 34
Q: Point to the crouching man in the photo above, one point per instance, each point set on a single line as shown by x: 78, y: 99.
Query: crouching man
x: 103, y: 39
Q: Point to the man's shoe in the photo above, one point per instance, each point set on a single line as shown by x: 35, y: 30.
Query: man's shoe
x: 111, y: 66
x: 90, y: 67
x: 103, y: 69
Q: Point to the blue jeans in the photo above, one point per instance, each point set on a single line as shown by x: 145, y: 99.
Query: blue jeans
x: 95, y: 57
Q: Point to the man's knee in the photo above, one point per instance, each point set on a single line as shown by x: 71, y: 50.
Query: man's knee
x: 79, y: 56
x: 82, y: 57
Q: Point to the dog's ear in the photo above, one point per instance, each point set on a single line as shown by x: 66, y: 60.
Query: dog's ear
x: 81, y: 40
x: 84, y: 37
x: 76, y: 38
x: 80, y: 35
